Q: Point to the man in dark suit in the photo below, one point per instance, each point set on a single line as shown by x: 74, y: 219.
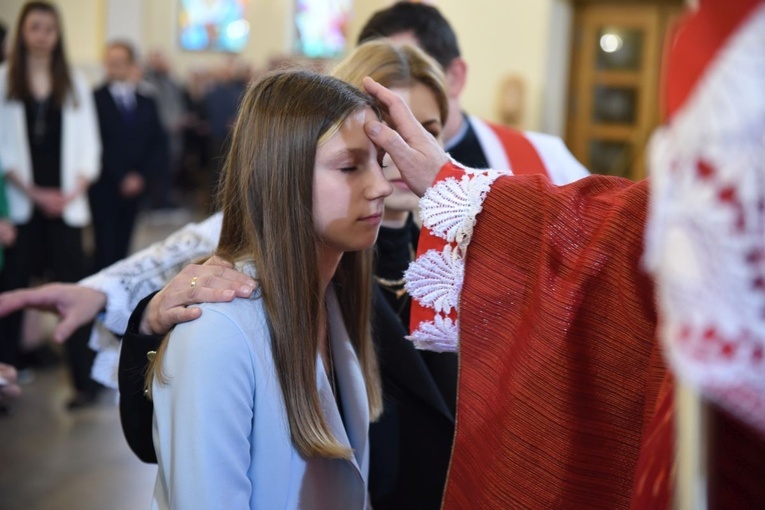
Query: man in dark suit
x: 134, y: 148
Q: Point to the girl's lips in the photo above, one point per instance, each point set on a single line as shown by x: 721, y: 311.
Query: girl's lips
x: 400, y: 184
x: 374, y: 219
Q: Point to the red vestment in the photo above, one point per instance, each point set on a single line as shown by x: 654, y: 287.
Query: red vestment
x: 564, y: 398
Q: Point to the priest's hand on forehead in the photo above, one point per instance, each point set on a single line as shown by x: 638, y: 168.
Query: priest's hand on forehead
x: 415, y: 152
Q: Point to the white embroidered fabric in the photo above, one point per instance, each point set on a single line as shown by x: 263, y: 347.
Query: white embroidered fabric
x: 128, y: 281
x: 438, y: 277
x: 705, y: 241
x: 449, y: 210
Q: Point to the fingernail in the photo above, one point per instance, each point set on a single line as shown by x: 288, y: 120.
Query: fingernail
x: 228, y: 294
x: 373, y: 128
x: 246, y: 289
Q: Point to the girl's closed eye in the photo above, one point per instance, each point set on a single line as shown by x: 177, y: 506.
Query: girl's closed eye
x: 381, y: 158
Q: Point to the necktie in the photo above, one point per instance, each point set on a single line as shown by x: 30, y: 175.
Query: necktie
x: 127, y: 106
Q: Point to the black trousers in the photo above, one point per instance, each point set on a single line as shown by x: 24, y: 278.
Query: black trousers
x: 46, y: 247
x: 113, y: 223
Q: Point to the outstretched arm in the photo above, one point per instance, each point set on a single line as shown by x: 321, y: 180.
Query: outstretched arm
x: 75, y: 305
x: 117, y: 290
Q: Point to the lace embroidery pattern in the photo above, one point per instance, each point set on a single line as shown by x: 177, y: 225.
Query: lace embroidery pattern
x: 439, y: 335
x: 448, y: 211
x: 438, y: 277
x: 705, y: 241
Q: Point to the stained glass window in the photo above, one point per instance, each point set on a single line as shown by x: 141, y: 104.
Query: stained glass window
x: 213, y: 25
x: 322, y: 27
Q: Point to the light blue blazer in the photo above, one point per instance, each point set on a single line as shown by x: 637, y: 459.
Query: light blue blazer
x: 220, y: 426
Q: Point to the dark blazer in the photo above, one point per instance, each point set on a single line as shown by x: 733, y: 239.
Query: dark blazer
x: 410, y: 444
x: 131, y: 142
x: 136, y: 142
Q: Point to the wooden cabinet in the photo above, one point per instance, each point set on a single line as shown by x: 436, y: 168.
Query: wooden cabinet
x: 614, y: 97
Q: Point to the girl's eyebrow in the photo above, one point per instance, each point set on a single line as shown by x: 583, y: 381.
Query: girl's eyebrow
x: 349, y: 152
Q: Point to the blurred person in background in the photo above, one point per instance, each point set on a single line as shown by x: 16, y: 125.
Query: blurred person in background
x: 7, y: 230
x: 222, y: 102
x: 8, y: 376
x: 134, y: 152
x: 195, y: 162
x: 473, y: 142
x: 172, y: 112
x: 49, y: 146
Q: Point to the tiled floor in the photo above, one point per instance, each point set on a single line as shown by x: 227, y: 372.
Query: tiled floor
x: 51, y: 459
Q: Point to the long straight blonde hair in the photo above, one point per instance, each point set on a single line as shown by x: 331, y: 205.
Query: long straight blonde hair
x: 267, y: 201
x: 394, y: 66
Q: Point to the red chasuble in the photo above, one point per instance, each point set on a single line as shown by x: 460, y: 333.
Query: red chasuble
x: 564, y: 398
x: 560, y: 371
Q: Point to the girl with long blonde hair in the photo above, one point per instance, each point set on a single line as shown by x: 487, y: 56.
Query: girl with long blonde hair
x: 266, y: 402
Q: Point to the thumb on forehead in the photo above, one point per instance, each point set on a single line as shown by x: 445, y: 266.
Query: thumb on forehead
x: 389, y: 140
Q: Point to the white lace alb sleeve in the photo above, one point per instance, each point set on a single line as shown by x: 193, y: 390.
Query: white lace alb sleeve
x: 448, y: 211
x: 126, y: 282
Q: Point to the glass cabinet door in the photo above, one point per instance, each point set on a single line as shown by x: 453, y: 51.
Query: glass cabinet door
x: 614, y: 84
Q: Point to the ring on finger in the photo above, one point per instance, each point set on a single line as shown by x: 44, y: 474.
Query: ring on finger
x: 194, y: 281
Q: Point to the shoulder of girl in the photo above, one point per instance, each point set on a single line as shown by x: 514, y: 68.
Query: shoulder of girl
x: 243, y: 316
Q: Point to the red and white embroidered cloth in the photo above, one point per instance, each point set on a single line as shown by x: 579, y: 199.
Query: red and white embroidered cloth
x: 434, y: 280
x: 564, y: 401
x: 705, y: 241
x: 559, y: 369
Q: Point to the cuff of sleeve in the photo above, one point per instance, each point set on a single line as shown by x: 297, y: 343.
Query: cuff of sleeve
x: 114, y: 316
x: 134, y: 322
x: 132, y: 359
x: 434, y: 280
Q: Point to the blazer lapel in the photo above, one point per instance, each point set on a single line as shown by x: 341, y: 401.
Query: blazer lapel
x: 353, y: 391
x: 108, y: 99
x: 329, y: 406
x: 353, y: 428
